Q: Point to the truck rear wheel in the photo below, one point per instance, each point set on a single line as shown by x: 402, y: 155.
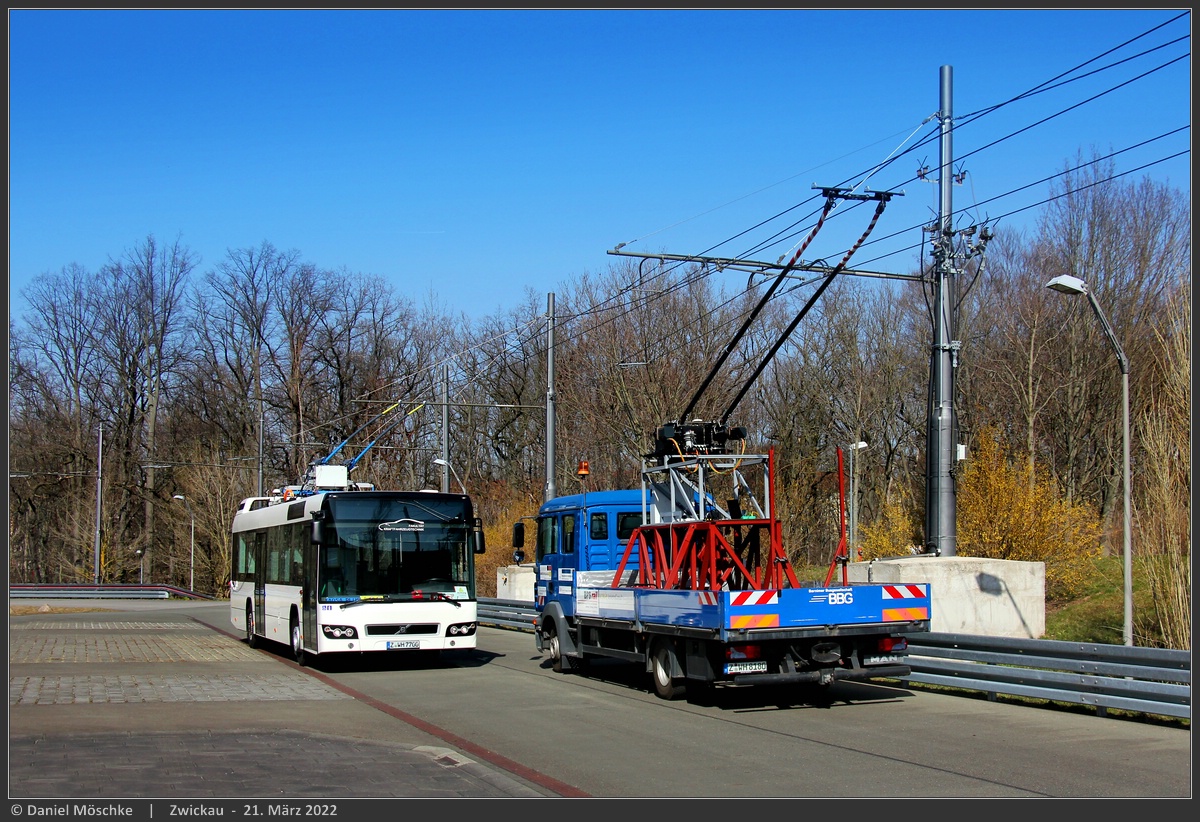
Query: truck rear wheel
x: 661, y: 662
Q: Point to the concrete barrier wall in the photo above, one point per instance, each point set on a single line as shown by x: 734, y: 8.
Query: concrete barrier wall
x: 970, y: 595
x: 516, y: 582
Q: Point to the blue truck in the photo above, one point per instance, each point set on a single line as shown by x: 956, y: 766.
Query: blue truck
x: 687, y: 576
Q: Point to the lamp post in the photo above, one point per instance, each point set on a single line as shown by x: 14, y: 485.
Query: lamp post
x: 853, y: 499
x: 99, y: 487
x: 448, y: 467
x: 1066, y: 284
x: 192, y: 578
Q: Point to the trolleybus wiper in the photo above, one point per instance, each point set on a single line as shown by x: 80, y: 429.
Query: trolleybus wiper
x: 437, y: 595
x: 418, y: 594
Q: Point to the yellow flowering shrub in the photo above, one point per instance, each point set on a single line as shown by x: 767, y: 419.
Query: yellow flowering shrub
x: 1005, y: 512
x: 896, y: 532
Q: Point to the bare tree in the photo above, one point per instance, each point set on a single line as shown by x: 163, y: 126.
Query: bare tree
x: 300, y: 302
x: 56, y: 381
x: 1013, y: 333
x: 377, y: 353
x: 244, y: 286
x: 1129, y: 243
x: 141, y: 296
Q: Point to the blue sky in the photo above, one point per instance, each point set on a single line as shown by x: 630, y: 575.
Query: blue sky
x: 469, y: 156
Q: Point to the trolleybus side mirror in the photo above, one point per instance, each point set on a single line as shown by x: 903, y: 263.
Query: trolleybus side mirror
x: 518, y: 556
x: 518, y: 535
x: 318, y: 527
x: 477, y: 535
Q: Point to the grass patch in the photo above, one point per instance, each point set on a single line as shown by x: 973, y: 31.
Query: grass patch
x: 1097, y: 612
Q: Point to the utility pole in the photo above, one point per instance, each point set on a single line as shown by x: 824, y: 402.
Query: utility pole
x: 262, y: 417
x: 550, y: 492
x: 942, y: 427
x: 446, y: 428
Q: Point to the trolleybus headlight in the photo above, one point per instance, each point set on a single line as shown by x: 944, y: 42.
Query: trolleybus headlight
x: 462, y: 629
x: 339, y: 631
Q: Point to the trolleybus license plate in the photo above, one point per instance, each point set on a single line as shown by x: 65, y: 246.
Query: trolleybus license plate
x: 396, y: 644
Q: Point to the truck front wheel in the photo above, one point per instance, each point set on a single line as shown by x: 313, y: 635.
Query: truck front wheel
x: 555, y: 647
x: 661, y: 661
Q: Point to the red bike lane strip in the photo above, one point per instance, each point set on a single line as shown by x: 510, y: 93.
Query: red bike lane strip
x: 465, y: 745
x: 515, y: 768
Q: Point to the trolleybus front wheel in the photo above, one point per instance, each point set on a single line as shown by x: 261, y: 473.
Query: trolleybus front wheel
x: 297, y: 640
x: 251, y: 637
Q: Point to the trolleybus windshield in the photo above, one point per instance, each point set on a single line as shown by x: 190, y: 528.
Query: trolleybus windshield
x: 383, y: 548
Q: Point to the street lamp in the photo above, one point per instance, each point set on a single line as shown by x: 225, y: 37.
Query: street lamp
x: 1067, y: 284
x: 446, y: 465
x: 192, y: 579
x: 99, y: 486
x: 853, y: 500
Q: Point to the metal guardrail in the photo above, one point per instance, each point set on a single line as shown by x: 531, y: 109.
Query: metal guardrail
x: 113, y: 591
x: 506, y: 613
x: 1141, y: 680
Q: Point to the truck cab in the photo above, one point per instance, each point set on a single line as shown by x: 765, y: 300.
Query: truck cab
x: 579, y: 533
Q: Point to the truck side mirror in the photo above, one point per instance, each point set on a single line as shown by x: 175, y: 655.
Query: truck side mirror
x: 518, y: 539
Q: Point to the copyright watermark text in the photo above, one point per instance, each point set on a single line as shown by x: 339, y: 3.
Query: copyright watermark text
x: 74, y: 809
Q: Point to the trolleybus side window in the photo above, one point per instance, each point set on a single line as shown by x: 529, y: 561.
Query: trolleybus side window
x: 246, y: 548
x: 243, y: 564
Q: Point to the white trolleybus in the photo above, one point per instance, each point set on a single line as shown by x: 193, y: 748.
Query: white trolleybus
x: 334, y: 570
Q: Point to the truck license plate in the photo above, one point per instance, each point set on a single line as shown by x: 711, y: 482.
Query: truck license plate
x: 400, y: 644
x: 757, y: 667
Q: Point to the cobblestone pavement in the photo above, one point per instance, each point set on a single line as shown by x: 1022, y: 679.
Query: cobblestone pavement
x: 64, y: 690
x: 105, y: 705
x: 121, y: 642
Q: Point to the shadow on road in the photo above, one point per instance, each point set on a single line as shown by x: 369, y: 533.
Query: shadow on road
x: 743, y: 698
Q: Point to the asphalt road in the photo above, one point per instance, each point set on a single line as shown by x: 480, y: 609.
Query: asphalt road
x: 123, y: 703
